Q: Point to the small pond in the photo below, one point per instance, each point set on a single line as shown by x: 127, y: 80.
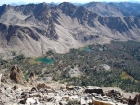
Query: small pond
x: 86, y: 49
x: 45, y: 60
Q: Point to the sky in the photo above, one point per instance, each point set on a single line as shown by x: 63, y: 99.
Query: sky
x: 59, y: 1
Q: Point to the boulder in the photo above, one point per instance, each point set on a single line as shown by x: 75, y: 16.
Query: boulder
x: 113, y: 93
x: 34, y: 89
x: 58, y: 98
x: 70, y: 87
x: 17, y: 75
x: 39, y: 86
x: 82, y: 101
x: 4, y: 78
x: 30, y: 101
x: 15, y: 87
x: 105, y: 67
x: 9, y: 90
x: 23, y: 101
x: 32, y: 75
x: 96, y: 102
x: 35, y: 95
x: 63, y: 103
x: 135, y: 101
x: 24, y: 95
x: 91, y: 89
x: 31, y: 79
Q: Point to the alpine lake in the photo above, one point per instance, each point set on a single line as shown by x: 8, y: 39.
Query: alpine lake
x: 45, y: 60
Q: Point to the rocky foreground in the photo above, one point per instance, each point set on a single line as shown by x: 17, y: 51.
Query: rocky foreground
x: 69, y: 95
x: 15, y: 90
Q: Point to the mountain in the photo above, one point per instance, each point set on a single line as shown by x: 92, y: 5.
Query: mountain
x: 132, y: 7
x: 114, y: 9
x: 53, y: 3
x: 104, y: 9
x: 78, y: 4
x: 34, y: 29
x: 18, y: 3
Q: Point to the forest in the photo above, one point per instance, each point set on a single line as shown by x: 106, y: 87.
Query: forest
x: 110, y: 65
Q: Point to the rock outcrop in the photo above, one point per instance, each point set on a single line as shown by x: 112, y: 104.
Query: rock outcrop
x: 32, y: 75
x: 135, y: 101
x: 17, y: 75
x: 4, y: 78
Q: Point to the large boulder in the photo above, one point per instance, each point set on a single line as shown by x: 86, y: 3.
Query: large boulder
x: 4, y: 78
x: 41, y: 86
x: 97, y: 102
x: 135, y: 101
x: 91, y: 89
x: 17, y: 75
x: 113, y: 93
x: 32, y: 76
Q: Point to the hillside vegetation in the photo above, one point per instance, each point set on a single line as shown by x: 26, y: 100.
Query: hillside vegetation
x: 116, y: 64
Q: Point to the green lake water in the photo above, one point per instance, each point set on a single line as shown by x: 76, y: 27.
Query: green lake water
x: 86, y: 49
x: 45, y: 60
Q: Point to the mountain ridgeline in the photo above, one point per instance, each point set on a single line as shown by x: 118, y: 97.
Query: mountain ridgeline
x: 114, y: 9
x: 34, y: 29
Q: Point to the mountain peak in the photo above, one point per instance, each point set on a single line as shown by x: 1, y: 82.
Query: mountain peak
x: 66, y: 4
x: 42, y: 4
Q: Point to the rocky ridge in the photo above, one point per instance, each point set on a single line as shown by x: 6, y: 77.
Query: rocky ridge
x: 34, y: 29
x: 113, y: 9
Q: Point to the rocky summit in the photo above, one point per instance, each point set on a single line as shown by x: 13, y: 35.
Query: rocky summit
x: 34, y: 29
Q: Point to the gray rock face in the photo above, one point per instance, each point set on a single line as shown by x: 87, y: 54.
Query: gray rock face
x: 36, y: 28
x: 113, y: 9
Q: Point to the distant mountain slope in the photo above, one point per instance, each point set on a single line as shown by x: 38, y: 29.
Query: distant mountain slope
x: 132, y: 7
x: 114, y: 9
x: 35, y: 28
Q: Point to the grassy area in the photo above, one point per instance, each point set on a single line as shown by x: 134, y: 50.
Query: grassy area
x: 33, y: 61
x: 124, y: 75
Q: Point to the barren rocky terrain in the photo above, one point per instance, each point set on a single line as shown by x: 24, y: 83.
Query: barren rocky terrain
x: 34, y: 29
x: 114, y: 9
